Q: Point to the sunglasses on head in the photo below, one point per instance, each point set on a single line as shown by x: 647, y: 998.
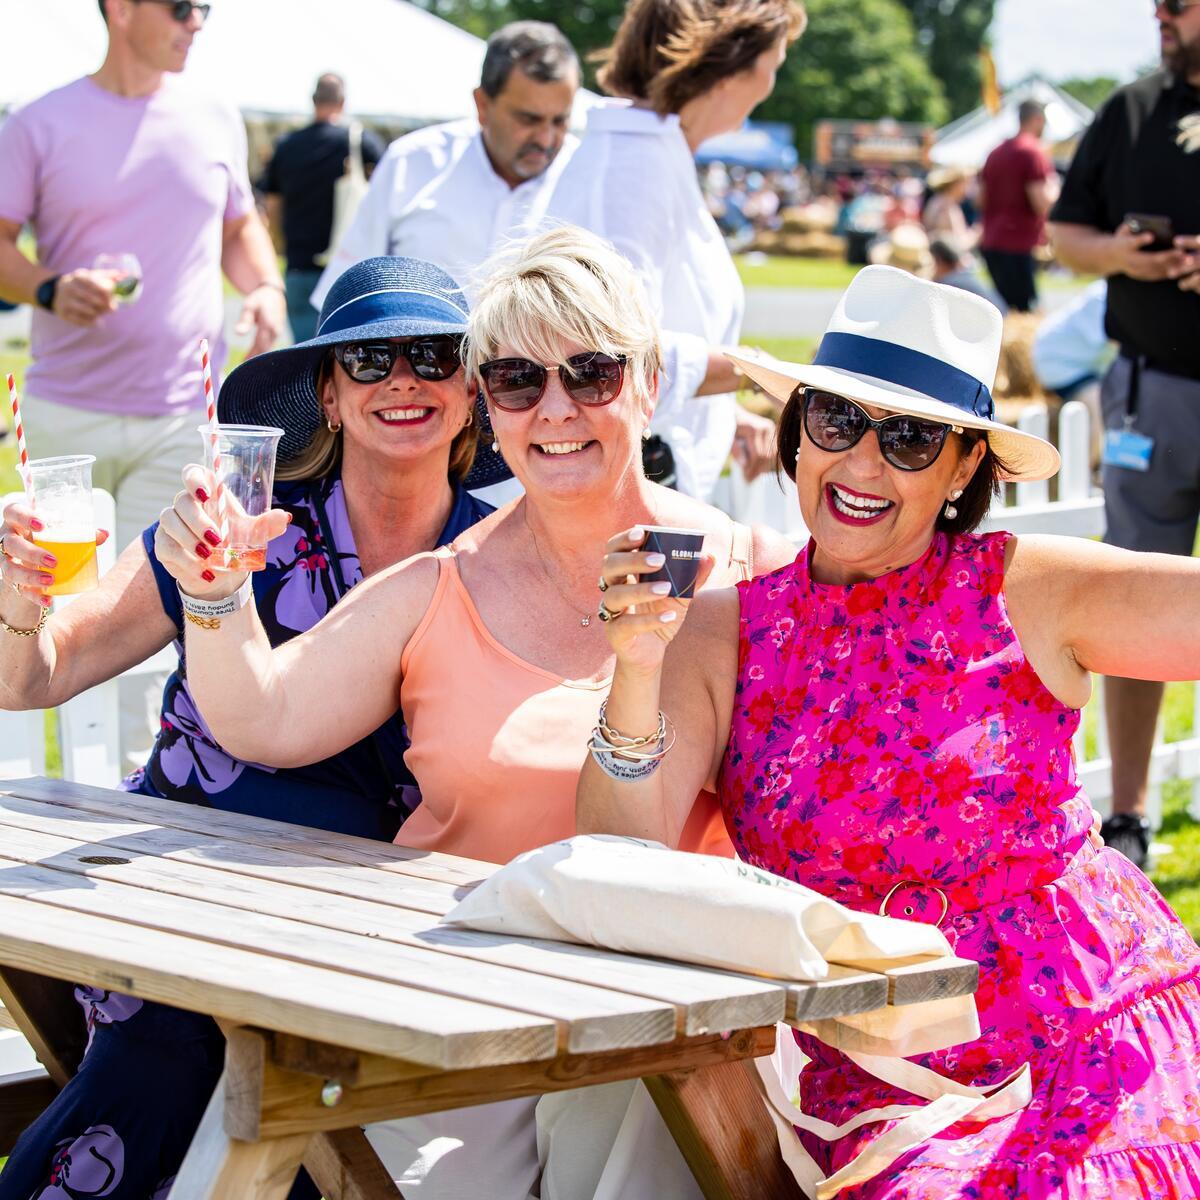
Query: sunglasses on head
x: 835, y: 424
x: 431, y: 358
x: 517, y: 384
x: 182, y: 10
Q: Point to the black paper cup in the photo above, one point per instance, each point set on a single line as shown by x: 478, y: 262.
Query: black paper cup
x: 682, y: 549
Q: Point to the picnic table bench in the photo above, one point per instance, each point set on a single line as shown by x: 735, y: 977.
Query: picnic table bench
x: 345, y: 1002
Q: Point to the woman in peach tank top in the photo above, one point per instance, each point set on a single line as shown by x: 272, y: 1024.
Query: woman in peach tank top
x: 493, y: 650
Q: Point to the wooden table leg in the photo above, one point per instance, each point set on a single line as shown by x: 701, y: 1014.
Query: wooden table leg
x: 218, y: 1167
x: 344, y: 1165
x: 717, y: 1116
x: 45, y: 1011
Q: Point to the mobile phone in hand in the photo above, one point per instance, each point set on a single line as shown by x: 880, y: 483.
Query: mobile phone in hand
x: 1161, y: 227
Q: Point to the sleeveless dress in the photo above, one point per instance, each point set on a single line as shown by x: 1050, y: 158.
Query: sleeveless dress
x: 891, y: 746
x: 121, y: 1126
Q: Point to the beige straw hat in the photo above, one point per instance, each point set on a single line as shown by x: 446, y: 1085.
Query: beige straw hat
x: 910, y: 346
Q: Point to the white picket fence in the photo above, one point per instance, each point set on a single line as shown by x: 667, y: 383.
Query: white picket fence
x: 1027, y: 508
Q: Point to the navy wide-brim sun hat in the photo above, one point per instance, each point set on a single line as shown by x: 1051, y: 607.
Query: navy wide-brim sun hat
x: 375, y: 299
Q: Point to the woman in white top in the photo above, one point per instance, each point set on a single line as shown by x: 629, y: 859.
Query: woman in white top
x: 684, y: 72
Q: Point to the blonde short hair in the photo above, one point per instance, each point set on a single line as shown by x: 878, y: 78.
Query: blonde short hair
x: 564, y: 285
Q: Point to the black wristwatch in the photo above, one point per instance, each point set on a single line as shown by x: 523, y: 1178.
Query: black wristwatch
x: 45, y: 292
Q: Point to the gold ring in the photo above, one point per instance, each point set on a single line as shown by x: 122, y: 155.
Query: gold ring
x: 910, y: 911
x: 606, y: 614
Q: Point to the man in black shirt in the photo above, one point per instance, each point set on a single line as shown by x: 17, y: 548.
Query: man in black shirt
x: 1141, y: 157
x: 299, y: 184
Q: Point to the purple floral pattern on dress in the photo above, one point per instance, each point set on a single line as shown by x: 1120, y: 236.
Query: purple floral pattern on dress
x: 892, y: 732
x: 90, y: 1165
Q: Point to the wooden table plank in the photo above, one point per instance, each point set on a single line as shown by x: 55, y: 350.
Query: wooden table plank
x: 244, y: 987
x: 707, y: 1000
x: 591, y: 1018
x: 253, y: 831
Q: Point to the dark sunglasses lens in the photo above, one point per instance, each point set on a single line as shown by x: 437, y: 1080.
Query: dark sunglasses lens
x: 832, y: 423
x: 514, y: 383
x: 182, y: 12
x: 910, y: 444
x: 594, y: 378
x: 367, y: 362
x: 433, y: 358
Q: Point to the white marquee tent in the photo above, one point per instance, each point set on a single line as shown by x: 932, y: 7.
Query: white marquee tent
x: 968, y: 141
x: 401, y: 64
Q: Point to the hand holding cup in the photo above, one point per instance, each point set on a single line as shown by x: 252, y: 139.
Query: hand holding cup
x: 27, y: 568
x: 648, y: 579
x: 188, y: 541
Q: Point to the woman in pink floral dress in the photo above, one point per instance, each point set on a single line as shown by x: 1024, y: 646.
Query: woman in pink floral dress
x: 888, y: 720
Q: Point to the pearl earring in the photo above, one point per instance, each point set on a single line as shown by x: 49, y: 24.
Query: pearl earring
x: 646, y: 434
x: 495, y: 446
x: 951, y: 511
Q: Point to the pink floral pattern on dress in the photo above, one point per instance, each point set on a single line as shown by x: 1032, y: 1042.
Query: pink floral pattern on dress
x: 891, y: 732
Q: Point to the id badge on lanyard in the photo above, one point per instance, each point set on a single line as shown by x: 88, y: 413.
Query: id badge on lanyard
x: 1125, y: 447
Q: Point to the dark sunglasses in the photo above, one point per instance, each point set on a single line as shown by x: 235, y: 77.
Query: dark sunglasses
x: 1176, y: 7
x: 836, y: 424
x: 517, y: 384
x: 182, y: 10
x: 432, y: 358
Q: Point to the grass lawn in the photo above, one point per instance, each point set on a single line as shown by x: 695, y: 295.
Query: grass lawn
x: 824, y: 273
x: 1179, y: 873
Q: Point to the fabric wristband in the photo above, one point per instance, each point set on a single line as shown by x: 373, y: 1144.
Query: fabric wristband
x: 208, y: 613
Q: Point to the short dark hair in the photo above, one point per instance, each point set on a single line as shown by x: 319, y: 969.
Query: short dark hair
x: 946, y: 252
x: 668, y: 53
x: 103, y: 11
x: 330, y: 90
x: 972, y: 505
x: 535, y: 48
x: 1028, y: 109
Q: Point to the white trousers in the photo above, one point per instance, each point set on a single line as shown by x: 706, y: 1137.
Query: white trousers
x: 139, y: 461
x: 599, y: 1143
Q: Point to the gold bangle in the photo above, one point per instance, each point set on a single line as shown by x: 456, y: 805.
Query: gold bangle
x: 210, y: 623
x: 26, y: 632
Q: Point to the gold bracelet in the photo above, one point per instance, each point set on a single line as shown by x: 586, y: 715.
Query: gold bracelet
x: 209, y: 623
x: 26, y: 632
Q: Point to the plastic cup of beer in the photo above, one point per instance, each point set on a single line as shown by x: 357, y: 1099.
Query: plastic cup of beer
x: 62, y: 499
x: 247, y: 480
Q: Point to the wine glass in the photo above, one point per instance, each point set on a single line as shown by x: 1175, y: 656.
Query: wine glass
x: 127, y: 275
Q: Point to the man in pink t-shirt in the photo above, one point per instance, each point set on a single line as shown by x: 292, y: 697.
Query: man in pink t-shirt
x: 1018, y: 187
x: 131, y: 160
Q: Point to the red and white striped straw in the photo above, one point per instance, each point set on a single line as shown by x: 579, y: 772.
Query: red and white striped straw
x: 214, y: 437
x: 22, y: 449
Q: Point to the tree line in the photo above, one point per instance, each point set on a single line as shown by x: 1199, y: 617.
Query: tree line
x: 912, y: 60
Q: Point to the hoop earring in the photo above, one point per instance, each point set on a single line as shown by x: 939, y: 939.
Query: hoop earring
x: 950, y: 510
x: 332, y: 427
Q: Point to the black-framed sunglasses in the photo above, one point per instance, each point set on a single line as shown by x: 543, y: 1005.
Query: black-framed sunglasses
x: 182, y: 10
x: 517, y: 384
x: 1175, y: 7
x: 432, y: 358
x: 835, y: 424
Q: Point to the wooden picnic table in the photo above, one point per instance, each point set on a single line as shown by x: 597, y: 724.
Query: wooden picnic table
x: 345, y: 1002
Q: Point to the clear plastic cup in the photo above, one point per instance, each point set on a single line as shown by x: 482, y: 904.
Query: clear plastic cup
x: 62, y: 499
x: 248, y: 479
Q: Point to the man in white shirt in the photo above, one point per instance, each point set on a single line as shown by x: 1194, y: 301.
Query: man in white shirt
x: 453, y: 193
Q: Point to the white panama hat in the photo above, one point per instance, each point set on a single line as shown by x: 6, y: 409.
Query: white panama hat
x: 916, y: 348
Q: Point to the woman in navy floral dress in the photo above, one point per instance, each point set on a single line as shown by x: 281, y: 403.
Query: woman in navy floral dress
x: 380, y: 434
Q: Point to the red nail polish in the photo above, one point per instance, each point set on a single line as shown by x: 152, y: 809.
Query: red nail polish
x: 46, y: 580
x: 213, y: 539
x: 34, y: 523
x: 208, y: 575
x: 48, y: 560
x: 202, y: 495
x: 203, y: 550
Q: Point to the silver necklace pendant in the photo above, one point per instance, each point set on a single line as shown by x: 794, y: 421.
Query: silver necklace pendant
x: 586, y: 621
